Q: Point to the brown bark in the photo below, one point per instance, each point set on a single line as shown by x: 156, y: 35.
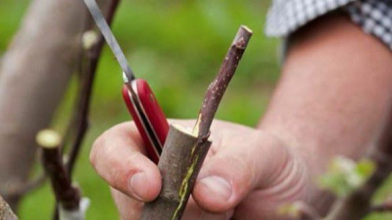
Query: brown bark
x: 34, y: 74
x: 5, y: 211
x: 218, y: 87
x: 180, y: 164
x: 381, y: 208
x: 67, y: 195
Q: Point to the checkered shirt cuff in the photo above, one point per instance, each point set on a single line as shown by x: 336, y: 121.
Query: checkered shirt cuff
x: 374, y: 16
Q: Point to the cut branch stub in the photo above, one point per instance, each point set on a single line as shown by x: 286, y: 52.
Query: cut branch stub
x: 67, y: 195
x: 179, y: 165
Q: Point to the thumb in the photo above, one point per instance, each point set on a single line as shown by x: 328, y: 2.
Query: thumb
x: 243, y: 162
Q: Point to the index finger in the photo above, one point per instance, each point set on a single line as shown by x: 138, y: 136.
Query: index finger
x: 118, y: 156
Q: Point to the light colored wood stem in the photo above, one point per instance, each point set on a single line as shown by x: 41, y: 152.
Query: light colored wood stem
x: 6, y: 212
x: 180, y: 164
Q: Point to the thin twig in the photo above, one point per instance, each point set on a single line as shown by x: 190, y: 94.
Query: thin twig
x: 19, y: 190
x: 218, y: 87
x: 26, y: 188
x: 81, y: 117
x: 384, y: 207
x: 79, y: 122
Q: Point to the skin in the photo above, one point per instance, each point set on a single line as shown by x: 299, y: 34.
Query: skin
x: 333, y: 98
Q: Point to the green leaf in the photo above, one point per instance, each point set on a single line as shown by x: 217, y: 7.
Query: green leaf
x: 344, y: 175
x: 365, y: 168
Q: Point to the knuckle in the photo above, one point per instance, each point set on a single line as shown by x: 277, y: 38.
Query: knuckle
x: 99, y: 148
x: 244, y: 177
x: 99, y: 145
x: 94, y: 151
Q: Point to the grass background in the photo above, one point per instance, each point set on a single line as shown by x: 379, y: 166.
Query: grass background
x: 177, y: 46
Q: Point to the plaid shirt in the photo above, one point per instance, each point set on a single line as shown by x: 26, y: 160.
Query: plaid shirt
x: 374, y: 16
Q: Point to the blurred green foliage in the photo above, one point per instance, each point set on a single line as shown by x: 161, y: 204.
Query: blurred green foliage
x: 177, y: 46
x: 344, y: 175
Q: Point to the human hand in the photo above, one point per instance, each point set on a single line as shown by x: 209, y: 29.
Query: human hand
x: 247, y: 174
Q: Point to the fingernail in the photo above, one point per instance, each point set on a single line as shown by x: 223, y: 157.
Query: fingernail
x: 137, y: 184
x: 217, y: 187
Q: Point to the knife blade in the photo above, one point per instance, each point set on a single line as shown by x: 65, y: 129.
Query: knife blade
x: 110, y: 39
x: 139, y: 98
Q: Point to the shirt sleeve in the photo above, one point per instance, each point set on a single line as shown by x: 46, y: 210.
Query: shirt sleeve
x: 374, y: 16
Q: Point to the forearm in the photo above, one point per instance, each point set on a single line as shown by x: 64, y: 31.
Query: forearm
x: 334, y: 94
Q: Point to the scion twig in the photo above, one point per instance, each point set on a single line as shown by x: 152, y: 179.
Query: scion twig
x: 184, y: 152
x: 218, y: 87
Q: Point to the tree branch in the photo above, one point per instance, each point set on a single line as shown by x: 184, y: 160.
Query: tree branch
x: 6, y: 212
x: 67, y: 195
x: 28, y: 187
x: 79, y: 123
x: 384, y: 207
x: 218, y: 87
x: 82, y: 110
x: 184, y: 151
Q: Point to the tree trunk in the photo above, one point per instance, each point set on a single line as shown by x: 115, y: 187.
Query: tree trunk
x: 34, y: 75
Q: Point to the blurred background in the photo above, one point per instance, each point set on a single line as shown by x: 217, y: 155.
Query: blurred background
x: 177, y: 46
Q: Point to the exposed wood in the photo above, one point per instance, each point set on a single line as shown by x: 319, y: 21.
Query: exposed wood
x: 180, y: 164
x: 34, y: 75
x: 184, y: 151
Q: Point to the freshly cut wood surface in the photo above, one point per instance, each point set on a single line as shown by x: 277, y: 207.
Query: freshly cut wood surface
x: 185, y: 149
x: 5, y: 211
x: 180, y: 164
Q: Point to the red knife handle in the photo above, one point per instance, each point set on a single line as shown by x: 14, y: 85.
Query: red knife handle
x: 152, y: 112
